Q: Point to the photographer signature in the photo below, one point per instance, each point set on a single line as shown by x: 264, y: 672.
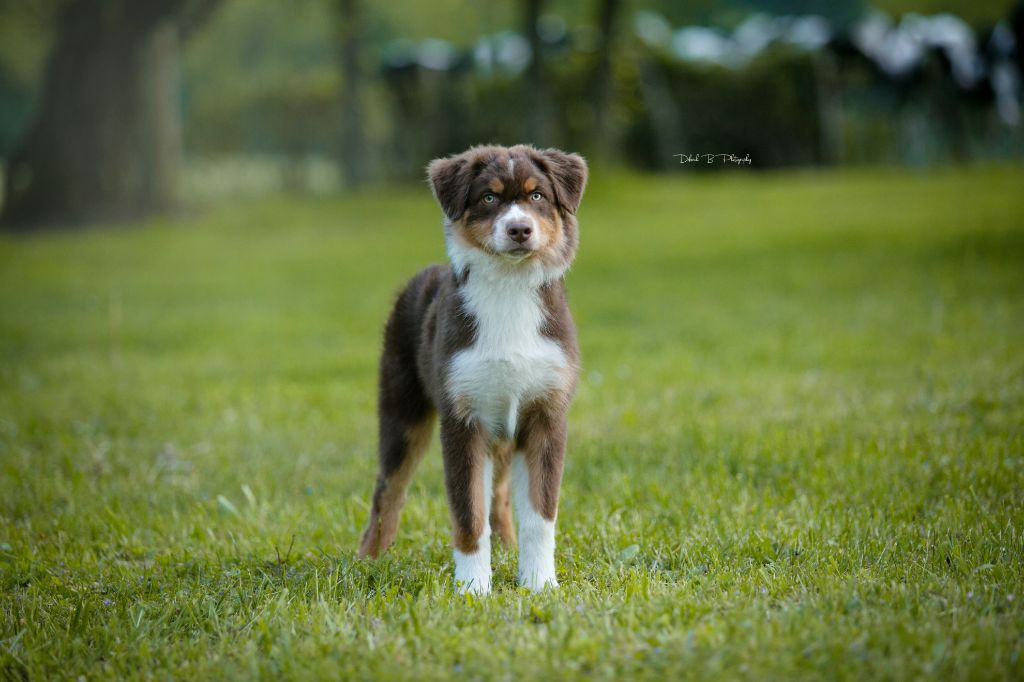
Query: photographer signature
x: 714, y: 158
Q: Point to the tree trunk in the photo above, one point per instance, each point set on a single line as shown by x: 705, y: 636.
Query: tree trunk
x: 353, y: 152
x: 536, y: 83
x: 106, y: 140
x: 607, y: 21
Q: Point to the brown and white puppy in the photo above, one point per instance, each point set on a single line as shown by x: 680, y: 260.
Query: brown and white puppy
x: 487, y: 344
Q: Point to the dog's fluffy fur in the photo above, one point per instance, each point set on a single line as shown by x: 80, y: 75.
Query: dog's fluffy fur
x: 487, y: 344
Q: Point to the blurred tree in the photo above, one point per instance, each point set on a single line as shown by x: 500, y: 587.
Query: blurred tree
x: 106, y: 137
x: 841, y: 12
x: 707, y: 12
x: 607, y: 24
x: 536, y: 90
x: 25, y: 34
x: 975, y: 12
x: 350, y: 48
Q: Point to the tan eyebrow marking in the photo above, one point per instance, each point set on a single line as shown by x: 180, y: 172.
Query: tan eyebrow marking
x: 530, y: 184
x: 496, y: 186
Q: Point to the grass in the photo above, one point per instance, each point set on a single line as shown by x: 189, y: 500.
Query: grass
x: 796, y: 452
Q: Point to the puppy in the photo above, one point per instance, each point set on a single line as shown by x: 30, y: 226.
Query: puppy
x: 488, y: 346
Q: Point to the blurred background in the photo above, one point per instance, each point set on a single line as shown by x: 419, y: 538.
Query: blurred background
x: 116, y: 109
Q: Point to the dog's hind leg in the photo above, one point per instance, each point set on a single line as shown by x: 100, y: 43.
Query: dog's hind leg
x: 400, y: 452
x: 406, y: 420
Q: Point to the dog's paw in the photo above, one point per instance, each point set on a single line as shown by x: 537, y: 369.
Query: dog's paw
x: 473, y: 572
x: 472, y: 587
x: 536, y: 576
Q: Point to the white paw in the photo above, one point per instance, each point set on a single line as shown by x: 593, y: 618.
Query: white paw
x: 473, y: 571
x: 537, y: 575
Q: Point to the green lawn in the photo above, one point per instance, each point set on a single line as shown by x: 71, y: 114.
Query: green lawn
x: 797, y: 450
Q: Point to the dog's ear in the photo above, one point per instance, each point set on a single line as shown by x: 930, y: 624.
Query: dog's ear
x: 568, y: 172
x: 450, y: 180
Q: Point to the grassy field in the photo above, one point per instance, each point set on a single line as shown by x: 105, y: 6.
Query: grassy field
x: 797, y: 449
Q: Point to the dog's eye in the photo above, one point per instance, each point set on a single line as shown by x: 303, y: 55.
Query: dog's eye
x: 536, y: 196
x: 490, y: 198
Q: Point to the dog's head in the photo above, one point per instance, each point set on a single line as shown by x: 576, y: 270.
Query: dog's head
x: 510, y: 208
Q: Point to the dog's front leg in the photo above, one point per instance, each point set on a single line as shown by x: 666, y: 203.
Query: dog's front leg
x: 468, y: 475
x: 536, y: 480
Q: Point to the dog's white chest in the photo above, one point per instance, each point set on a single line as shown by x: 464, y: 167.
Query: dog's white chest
x: 510, y: 362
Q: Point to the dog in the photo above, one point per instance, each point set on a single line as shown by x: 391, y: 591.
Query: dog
x: 487, y: 347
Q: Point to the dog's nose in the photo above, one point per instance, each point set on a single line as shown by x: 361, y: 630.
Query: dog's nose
x: 519, y: 232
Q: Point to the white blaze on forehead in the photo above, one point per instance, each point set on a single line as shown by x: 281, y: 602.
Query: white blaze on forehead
x: 512, y: 167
